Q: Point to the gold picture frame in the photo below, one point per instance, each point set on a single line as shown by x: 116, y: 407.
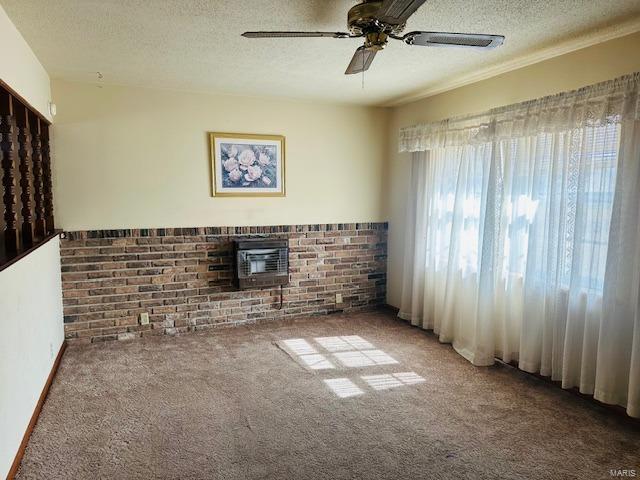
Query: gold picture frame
x: 247, y: 165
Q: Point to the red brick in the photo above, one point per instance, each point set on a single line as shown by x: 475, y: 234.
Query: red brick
x: 108, y: 282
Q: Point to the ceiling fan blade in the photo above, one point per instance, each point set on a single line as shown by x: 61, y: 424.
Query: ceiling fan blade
x: 397, y: 12
x: 295, y: 34
x: 361, y: 60
x: 446, y: 39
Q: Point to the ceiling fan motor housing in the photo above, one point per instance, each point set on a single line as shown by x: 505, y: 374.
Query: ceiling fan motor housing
x: 362, y: 20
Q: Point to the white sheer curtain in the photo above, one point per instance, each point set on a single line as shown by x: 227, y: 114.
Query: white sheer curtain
x: 525, y: 242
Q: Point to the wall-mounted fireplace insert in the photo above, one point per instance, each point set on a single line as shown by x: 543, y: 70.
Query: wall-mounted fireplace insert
x: 260, y: 262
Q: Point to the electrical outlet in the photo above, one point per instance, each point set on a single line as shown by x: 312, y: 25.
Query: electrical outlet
x: 144, y: 318
x: 338, y: 298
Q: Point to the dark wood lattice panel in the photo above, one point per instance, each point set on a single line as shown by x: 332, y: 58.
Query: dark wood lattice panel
x: 25, y: 178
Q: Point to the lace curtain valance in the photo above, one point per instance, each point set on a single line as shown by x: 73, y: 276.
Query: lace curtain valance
x: 607, y: 102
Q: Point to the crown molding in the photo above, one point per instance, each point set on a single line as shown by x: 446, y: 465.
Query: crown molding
x: 584, y: 41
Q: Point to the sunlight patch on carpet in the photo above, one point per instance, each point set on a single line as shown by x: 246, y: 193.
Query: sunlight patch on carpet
x: 392, y: 380
x: 340, y: 344
x: 365, y: 358
x: 347, y: 352
x: 299, y: 346
x: 343, y: 387
x: 317, y: 362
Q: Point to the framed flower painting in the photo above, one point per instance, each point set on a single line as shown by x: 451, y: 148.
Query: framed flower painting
x: 247, y: 165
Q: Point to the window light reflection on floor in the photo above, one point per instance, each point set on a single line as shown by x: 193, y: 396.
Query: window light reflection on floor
x: 351, y: 351
x: 343, y: 387
x: 382, y: 382
x: 358, y: 342
x: 392, y: 380
x: 299, y: 346
x: 364, y: 358
x: 340, y: 344
x: 409, y: 378
x: 333, y: 344
x: 316, y: 362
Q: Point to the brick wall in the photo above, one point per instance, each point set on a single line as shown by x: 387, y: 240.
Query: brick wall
x: 182, y: 278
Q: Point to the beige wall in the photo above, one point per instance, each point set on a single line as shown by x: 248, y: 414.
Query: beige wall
x: 573, y: 70
x: 32, y: 334
x: 20, y: 69
x: 134, y: 158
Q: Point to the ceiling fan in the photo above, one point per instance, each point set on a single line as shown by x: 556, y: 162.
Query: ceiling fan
x: 379, y: 20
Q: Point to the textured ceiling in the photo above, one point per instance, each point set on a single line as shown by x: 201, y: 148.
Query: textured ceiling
x: 196, y: 44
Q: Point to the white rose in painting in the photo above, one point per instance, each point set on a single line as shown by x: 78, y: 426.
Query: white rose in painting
x: 246, y: 158
x: 264, y: 159
x: 266, y: 180
x: 235, y: 175
x: 233, y: 152
x: 253, y: 174
x: 231, y: 164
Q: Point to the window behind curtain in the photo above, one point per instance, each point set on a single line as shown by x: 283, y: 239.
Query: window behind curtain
x: 545, y: 208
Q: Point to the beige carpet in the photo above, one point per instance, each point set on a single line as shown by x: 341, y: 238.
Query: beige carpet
x: 260, y: 402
